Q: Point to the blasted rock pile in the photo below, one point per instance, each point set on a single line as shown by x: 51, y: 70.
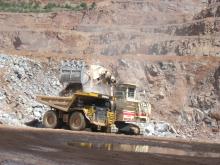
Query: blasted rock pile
x: 22, y: 80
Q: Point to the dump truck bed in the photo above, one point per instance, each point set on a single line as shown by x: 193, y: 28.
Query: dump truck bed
x: 64, y: 103
x: 61, y: 103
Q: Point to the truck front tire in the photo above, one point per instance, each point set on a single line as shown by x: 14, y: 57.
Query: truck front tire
x: 77, y: 121
x: 50, y: 119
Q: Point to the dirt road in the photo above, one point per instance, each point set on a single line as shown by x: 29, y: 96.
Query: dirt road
x: 42, y: 146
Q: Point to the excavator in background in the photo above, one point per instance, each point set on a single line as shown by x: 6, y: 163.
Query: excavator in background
x: 91, y: 99
x: 131, y: 113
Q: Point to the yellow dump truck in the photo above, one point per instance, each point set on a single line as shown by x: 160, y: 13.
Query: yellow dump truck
x: 79, y: 111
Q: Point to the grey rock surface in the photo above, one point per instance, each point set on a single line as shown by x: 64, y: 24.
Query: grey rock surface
x: 25, y: 79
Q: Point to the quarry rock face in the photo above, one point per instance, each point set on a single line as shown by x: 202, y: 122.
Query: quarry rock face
x: 185, y: 90
x: 153, y: 27
x: 22, y: 80
x: 169, y: 49
x: 178, y: 94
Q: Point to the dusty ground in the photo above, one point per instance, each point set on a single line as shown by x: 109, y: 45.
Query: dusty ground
x: 43, y: 146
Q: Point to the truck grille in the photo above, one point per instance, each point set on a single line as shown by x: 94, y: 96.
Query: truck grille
x: 101, y: 114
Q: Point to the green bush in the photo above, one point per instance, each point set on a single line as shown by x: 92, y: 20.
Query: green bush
x: 67, y: 6
x: 36, y: 5
x: 93, y: 6
x: 50, y: 6
x: 83, y: 5
x: 33, y: 6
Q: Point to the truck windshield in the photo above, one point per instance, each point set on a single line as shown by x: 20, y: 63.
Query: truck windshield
x: 92, y: 101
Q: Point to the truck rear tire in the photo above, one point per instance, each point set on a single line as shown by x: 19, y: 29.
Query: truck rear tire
x: 77, y: 121
x: 50, y: 119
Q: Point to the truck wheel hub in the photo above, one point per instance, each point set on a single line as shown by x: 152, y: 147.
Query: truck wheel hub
x: 50, y: 119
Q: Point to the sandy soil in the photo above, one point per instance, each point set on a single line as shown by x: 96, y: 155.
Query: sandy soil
x: 45, y: 146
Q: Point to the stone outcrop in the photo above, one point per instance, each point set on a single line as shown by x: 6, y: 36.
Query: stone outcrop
x: 181, y: 93
x: 21, y: 80
x: 105, y: 30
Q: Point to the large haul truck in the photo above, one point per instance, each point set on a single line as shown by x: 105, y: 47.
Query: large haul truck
x: 80, y: 111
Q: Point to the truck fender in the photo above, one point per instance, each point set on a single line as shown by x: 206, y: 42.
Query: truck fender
x: 84, y: 113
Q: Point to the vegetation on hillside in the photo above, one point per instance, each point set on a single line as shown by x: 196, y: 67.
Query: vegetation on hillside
x: 32, y: 6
